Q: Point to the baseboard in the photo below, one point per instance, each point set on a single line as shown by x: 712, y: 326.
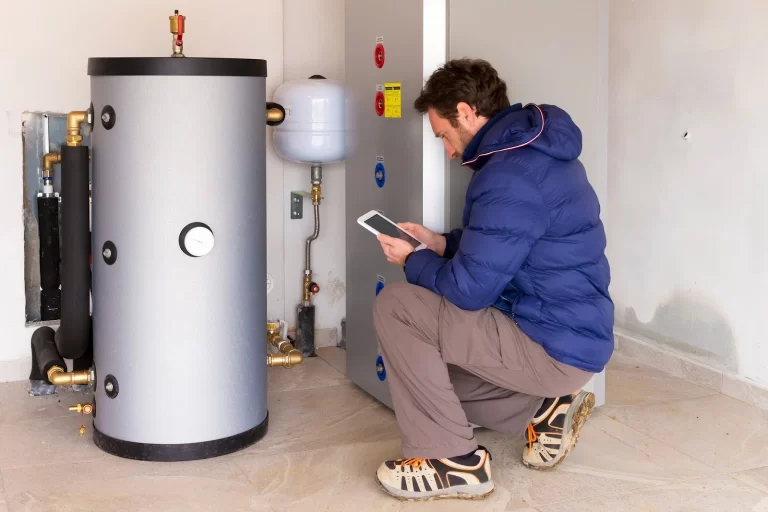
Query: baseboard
x: 326, y: 337
x: 678, y: 365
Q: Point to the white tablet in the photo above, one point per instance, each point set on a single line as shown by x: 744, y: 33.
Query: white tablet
x: 377, y: 224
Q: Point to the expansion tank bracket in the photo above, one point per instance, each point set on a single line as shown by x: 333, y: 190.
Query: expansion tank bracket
x: 297, y: 203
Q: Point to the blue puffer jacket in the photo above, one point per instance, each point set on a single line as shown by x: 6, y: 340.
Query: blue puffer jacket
x: 533, y: 244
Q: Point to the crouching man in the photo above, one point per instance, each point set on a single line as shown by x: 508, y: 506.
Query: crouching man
x: 502, y: 322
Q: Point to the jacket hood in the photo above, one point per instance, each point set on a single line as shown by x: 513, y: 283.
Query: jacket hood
x: 545, y: 128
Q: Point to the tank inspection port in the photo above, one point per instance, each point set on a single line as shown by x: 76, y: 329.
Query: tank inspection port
x: 196, y: 240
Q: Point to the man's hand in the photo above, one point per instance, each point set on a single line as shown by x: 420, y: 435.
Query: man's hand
x: 395, y: 249
x: 432, y: 240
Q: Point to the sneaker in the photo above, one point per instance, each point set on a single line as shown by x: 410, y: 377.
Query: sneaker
x: 467, y: 477
x: 555, y: 430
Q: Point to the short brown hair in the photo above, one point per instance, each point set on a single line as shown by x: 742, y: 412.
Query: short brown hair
x: 473, y: 81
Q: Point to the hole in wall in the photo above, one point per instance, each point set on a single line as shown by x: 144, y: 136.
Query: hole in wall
x: 37, y: 130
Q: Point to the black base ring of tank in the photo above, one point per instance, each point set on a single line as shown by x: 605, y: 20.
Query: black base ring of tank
x: 179, y: 452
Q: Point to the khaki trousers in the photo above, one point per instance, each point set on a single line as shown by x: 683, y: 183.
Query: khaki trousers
x: 447, y: 368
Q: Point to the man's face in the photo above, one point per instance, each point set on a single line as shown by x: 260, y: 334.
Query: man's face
x: 455, y: 138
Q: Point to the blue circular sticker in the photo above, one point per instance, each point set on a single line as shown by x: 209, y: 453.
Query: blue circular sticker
x: 380, y: 370
x: 379, y: 287
x: 380, y: 174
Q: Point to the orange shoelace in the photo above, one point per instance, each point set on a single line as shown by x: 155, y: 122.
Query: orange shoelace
x: 414, y: 463
x: 532, y: 437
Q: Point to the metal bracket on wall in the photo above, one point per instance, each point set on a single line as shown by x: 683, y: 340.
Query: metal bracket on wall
x: 297, y: 203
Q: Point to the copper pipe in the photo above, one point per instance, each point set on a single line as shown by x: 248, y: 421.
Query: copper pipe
x: 317, y: 178
x: 288, y: 360
x: 275, y: 115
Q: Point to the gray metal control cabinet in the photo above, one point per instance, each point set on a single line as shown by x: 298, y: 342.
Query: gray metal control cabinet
x: 393, y: 164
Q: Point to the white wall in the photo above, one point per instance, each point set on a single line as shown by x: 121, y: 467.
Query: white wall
x: 565, y: 65
x: 313, y: 40
x: 43, y: 67
x: 689, y: 225
x: 536, y: 62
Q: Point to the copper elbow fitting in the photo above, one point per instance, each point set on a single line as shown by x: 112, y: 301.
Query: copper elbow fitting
x: 58, y: 377
x: 49, y: 160
x: 74, y: 120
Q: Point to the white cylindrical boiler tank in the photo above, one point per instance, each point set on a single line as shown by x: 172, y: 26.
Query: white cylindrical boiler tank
x: 179, y: 255
x: 313, y: 129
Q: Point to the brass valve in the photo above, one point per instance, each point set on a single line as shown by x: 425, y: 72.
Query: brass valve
x: 288, y: 356
x: 82, y: 408
x: 177, y: 29
x: 307, y: 287
x: 316, y: 194
x: 273, y: 332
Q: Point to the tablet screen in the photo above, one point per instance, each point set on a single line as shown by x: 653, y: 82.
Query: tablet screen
x: 385, y: 227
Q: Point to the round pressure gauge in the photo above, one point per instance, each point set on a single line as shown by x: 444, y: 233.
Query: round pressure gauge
x: 196, y: 240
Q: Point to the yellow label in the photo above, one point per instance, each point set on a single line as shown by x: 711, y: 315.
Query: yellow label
x: 393, y: 100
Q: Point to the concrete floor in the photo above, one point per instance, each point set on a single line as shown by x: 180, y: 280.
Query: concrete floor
x: 661, y: 443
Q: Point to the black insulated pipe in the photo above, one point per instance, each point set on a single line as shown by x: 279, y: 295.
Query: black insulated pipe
x: 73, y: 336
x: 44, y: 354
x: 48, y: 223
x: 305, y: 332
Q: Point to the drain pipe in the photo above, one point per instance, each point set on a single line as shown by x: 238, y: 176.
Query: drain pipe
x: 305, y: 332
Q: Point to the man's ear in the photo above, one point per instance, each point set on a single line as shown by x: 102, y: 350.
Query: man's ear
x: 465, y: 112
